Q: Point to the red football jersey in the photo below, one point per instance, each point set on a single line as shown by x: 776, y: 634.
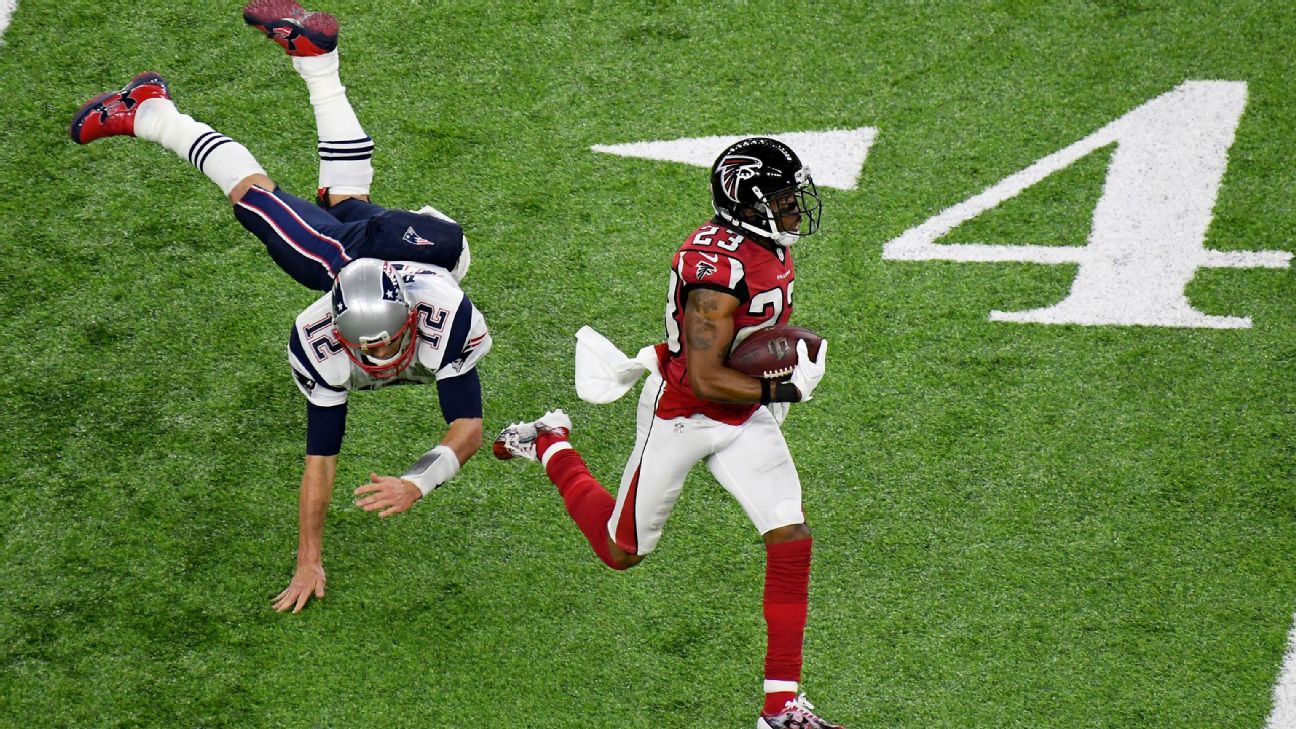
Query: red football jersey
x: 719, y: 258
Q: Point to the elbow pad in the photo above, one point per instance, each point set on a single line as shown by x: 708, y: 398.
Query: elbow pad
x: 435, y: 468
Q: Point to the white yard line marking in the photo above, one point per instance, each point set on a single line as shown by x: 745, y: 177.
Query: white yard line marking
x: 7, y: 7
x: 1284, y: 693
x: 835, y: 157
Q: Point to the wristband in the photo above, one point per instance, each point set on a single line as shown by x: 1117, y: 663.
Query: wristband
x: 786, y: 392
x: 435, y: 468
x: 765, y: 391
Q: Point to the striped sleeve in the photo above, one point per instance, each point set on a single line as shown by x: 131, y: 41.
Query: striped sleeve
x: 468, y: 342
x: 312, y: 384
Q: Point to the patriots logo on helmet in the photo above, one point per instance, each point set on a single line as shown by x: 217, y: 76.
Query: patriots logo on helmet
x: 391, y: 285
x: 733, y: 170
x: 339, y: 301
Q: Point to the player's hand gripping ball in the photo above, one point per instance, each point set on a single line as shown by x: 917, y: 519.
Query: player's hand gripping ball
x: 770, y: 353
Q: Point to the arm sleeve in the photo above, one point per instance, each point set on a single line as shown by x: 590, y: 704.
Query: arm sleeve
x: 469, y: 341
x: 308, y: 377
x: 715, y: 271
x: 460, y: 396
x: 324, y: 429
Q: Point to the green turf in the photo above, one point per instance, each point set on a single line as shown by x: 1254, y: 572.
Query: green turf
x: 1017, y: 525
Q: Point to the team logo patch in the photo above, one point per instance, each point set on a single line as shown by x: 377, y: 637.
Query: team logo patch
x: 704, y: 269
x: 307, y: 383
x: 733, y: 170
x: 413, y: 238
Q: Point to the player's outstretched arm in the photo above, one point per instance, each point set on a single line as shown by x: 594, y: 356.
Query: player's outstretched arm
x: 312, y: 508
x: 393, y: 495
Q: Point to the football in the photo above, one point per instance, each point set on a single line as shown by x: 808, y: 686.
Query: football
x: 770, y: 353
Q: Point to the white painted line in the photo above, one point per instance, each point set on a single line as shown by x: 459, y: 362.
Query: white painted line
x: 835, y: 157
x: 7, y: 7
x: 1284, y: 694
x: 1147, y: 238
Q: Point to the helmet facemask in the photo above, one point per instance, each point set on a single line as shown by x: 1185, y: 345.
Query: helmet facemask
x: 382, y: 368
x: 371, y: 313
x: 785, y: 216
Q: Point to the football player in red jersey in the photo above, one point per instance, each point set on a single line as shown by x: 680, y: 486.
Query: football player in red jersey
x: 733, y: 276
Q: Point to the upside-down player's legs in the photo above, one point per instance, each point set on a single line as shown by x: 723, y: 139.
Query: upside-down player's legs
x: 346, y: 154
x: 306, y: 241
x: 345, y: 150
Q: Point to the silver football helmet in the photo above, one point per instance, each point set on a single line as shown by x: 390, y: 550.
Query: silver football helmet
x: 370, y: 312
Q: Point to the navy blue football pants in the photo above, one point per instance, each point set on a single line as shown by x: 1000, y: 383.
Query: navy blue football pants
x: 312, y: 244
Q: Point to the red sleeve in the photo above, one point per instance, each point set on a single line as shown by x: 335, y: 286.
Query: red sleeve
x: 710, y: 270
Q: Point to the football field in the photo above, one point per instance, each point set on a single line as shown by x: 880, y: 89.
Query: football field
x: 1051, y: 470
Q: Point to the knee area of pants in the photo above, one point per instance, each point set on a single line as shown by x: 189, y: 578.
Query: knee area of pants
x: 788, y: 511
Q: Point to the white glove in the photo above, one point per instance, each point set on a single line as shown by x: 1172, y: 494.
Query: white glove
x: 808, y: 372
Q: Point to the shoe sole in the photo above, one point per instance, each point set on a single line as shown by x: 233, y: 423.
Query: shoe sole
x: 321, y: 29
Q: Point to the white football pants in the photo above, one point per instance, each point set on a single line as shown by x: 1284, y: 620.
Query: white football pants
x: 751, y: 461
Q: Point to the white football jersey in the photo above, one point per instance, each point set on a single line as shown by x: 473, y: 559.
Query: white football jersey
x: 451, y: 333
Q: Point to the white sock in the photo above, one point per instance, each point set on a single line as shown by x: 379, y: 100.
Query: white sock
x: 222, y: 159
x: 345, y: 151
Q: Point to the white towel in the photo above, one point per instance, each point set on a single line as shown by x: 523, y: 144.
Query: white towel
x: 603, y: 372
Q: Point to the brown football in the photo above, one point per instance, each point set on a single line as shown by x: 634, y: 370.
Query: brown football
x: 770, y: 353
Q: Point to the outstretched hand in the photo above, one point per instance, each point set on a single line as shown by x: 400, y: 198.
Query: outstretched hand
x: 307, y: 581
x: 389, y: 493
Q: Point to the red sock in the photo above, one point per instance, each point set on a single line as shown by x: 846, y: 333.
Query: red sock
x: 787, y: 588
x: 588, y: 503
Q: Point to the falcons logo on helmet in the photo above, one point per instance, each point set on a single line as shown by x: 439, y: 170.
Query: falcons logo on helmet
x: 733, y: 170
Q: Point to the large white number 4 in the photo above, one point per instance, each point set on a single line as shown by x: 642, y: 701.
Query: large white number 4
x: 1149, y: 228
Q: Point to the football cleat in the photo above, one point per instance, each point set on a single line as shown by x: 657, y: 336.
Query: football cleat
x: 796, y: 714
x: 519, y: 439
x: 299, y: 32
x: 112, y: 113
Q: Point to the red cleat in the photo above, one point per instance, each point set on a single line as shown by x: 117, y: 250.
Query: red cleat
x: 112, y: 113
x: 299, y: 32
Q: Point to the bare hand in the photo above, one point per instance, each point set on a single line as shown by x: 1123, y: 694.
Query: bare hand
x: 308, y: 580
x: 392, y: 494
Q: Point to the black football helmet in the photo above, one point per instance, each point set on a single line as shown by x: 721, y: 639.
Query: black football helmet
x: 760, y: 185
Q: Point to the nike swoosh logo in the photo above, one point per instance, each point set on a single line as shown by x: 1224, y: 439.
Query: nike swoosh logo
x: 783, y: 275
x: 712, y: 257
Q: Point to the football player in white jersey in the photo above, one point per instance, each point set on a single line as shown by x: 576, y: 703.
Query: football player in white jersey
x: 382, y: 324
x: 379, y: 324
